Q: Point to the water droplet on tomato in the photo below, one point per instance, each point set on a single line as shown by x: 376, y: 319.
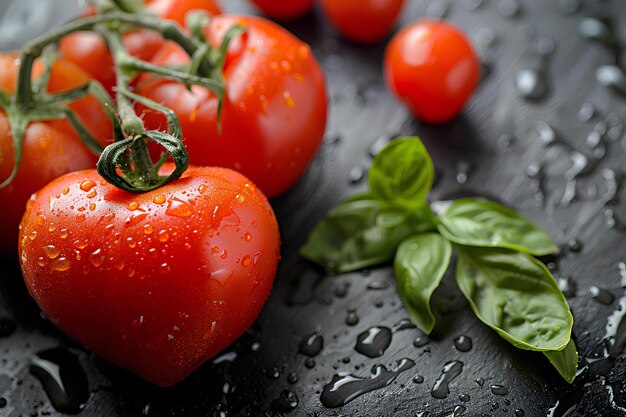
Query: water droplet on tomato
x: 165, y: 268
x: 240, y: 198
x: 147, y: 229
x: 256, y: 257
x: 51, y: 251
x: 80, y: 218
x: 131, y: 272
x: 135, y: 219
x: 52, y: 227
x: 92, y: 194
x: 80, y: 245
x: 133, y: 206
x: 221, y: 275
x: 92, y: 206
x: 178, y: 208
x: 120, y: 265
x: 87, y: 185
x: 131, y: 243
x: 40, y: 261
x: 246, y: 261
x: 63, y: 234
x: 41, y: 219
x: 160, y: 199
x: 289, y: 101
x: 32, y: 235
x: 66, y: 190
x: 164, y: 236
x: 61, y: 264
x: 96, y: 258
x: 247, y: 236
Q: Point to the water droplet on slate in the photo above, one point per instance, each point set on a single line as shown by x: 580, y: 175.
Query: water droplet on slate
x: 309, y: 363
x: 311, y: 345
x: 545, y: 46
x: 356, y: 174
x: 458, y: 410
x: 344, y: 388
x: 273, y: 373
x: 286, y: 402
x: 331, y: 138
x: 586, y: 112
x: 596, y: 30
x: 509, y: 8
x: 404, y: 324
x: 574, y: 245
x: 418, y: 379
x: 567, y: 286
x: 480, y: 381
x: 463, y: 343
x: 450, y: 371
x: 462, y: 171
x: 611, y: 76
x: 373, y: 342
x: 352, y: 319
x: 499, y: 389
x: 378, y: 145
x: 421, y: 340
x: 519, y: 413
x: 292, y: 378
x: 464, y: 397
x: 63, y: 379
x: 601, y: 295
x: 378, y: 285
x: 531, y: 83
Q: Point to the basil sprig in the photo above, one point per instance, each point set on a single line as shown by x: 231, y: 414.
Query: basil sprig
x: 506, y: 287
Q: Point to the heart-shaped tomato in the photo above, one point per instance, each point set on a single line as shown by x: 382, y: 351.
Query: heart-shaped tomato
x: 155, y: 282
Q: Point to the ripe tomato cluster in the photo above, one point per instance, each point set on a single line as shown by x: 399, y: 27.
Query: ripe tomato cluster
x: 150, y: 280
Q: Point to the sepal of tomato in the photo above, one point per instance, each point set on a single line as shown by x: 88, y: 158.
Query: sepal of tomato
x: 88, y: 50
x: 156, y: 282
x: 274, y: 111
x: 50, y: 149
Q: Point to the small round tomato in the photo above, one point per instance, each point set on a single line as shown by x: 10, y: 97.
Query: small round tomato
x: 88, y: 50
x: 363, y: 21
x: 274, y: 111
x: 155, y: 282
x: 50, y: 149
x: 284, y: 10
x: 433, y: 68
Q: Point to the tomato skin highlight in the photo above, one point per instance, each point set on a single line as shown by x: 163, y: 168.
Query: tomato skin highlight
x: 155, y: 282
x: 432, y: 67
x: 363, y: 21
x: 88, y: 50
x: 275, y: 106
x: 284, y: 10
x: 50, y: 148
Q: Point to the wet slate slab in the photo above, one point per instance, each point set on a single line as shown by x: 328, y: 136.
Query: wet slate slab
x: 544, y: 133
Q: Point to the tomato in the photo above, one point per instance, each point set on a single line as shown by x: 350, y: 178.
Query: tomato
x: 284, y: 10
x: 433, y: 68
x: 274, y: 112
x: 363, y: 21
x: 88, y: 50
x: 50, y: 148
x: 155, y: 282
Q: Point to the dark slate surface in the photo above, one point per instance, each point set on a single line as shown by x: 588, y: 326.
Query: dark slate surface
x: 487, y: 151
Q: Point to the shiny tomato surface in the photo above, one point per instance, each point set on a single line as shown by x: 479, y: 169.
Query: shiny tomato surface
x: 284, y: 10
x: 50, y: 148
x: 274, y: 113
x: 433, y: 68
x: 156, y: 282
x: 363, y: 21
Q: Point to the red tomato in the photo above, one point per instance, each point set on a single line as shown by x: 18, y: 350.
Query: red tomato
x: 284, y: 9
x: 156, y: 282
x: 433, y: 68
x: 363, y: 21
x: 50, y: 149
x: 274, y: 111
x: 88, y: 50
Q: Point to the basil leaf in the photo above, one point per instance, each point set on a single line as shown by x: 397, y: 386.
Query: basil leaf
x: 515, y: 295
x: 565, y: 361
x: 420, y: 263
x: 402, y: 173
x: 473, y: 222
x: 362, y: 232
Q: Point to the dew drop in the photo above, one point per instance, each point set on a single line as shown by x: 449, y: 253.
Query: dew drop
x: 352, y: 319
x: 80, y: 218
x: 247, y: 236
x: 92, y: 206
x: 499, y: 389
x: 311, y: 345
x: 159, y: 199
x: 133, y: 205
x: 286, y: 402
x: 96, y: 258
x: 463, y: 344
x: 450, y: 371
x: 178, y: 208
x: 60, y: 265
x: 374, y: 341
x: 66, y: 190
x: 246, y: 261
x: 51, y: 251
x: 87, y: 185
x: 147, y: 229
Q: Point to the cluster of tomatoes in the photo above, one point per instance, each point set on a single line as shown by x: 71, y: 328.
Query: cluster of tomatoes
x: 151, y: 281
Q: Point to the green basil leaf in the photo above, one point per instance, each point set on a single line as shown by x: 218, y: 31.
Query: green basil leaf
x: 402, y: 173
x: 515, y: 295
x: 474, y: 222
x: 565, y: 361
x: 360, y: 233
x: 420, y: 263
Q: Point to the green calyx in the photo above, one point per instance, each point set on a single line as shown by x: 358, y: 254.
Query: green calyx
x: 126, y: 163
x: 507, y: 288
